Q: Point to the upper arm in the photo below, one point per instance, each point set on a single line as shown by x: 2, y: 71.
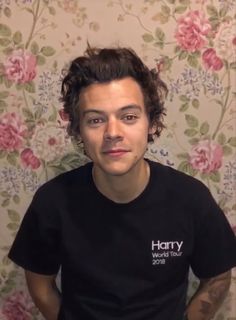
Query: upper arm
x: 224, y: 277
x: 217, y: 287
x: 39, y: 284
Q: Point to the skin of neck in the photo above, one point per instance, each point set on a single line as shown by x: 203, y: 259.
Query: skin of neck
x: 124, y: 188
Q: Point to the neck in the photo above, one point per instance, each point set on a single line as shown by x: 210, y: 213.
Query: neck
x: 124, y: 188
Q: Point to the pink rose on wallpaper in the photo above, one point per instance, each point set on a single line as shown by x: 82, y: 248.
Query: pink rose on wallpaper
x: 20, y: 66
x: 50, y: 142
x: 12, y: 132
x: 69, y: 6
x: 225, y: 41
x: 29, y: 159
x: 211, y: 61
x: 192, y: 30
x: 18, y: 306
x: 206, y: 156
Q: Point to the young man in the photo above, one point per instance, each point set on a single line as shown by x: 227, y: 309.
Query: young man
x: 123, y: 229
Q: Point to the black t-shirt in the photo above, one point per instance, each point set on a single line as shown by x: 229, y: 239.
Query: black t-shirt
x: 124, y: 261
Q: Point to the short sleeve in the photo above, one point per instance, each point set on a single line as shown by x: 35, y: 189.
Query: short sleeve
x: 214, y: 241
x: 37, y: 244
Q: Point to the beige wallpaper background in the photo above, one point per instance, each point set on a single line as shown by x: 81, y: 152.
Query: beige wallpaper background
x: 192, y: 43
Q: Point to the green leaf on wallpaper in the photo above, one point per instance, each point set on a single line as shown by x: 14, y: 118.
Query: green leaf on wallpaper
x: 48, y: 51
x: 53, y: 116
x: 184, y: 107
x: 190, y: 132
x: 219, y: 102
x: 183, y: 156
x: 177, y: 49
x: 204, y: 128
x: 40, y: 60
x: 13, y: 215
x: 182, y: 55
x: 160, y: 34
x: 19, y: 86
x: 234, y: 207
x: 215, y: 22
x: 147, y: 37
x: 180, y: 9
x: 29, y: 10
x: 183, y: 98
x: 232, y: 65
x: 6, y: 261
x: 227, y: 150
x: 39, y: 112
x: 3, y: 154
x: 196, y: 54
x: 161, y: 17
x: 52, y: 11
x: 3, y: 106
x: 5, y: 31
x: 30, y: 87
x: 3, y: 273
x: 159, y: 44
x: 7, y: 12
x: 13, y: 226
x: 184, y: 2
x: 7, y: 51
x: 215, y: 176
x: 7, y: 288
x: 165, y: 10
x: 4, y: 94
x: 4, y: 194
x: 232, y: 141
x: 192, y: 60
x: 16, y: 199
x: 223, y: 11
x: 34, y: 48
x: 28, y: 113
x: 195, y: 103
x: 211, y: 10
x: 191, y: 120
x: 193, y: 141
x: 8, y: 83
x: 17, y: 37
x: 193, y: 172
x: 171, y: 1
x: 184, y: 166
x: 221, y: 138
x: 5, y: 202
x: 4, y: 42
x: 11, y: 158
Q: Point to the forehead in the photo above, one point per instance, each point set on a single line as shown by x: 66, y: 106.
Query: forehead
x: 112, y: 95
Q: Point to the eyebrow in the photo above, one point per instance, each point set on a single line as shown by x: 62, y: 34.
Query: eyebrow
x: 125, y: 108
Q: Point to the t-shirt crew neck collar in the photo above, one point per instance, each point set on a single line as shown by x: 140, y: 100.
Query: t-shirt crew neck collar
x: 134, y: 202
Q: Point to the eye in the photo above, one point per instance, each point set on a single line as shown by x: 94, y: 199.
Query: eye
x: 129, y: 118
x: 95, y: 122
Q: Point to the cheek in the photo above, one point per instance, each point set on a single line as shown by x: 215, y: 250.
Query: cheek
x: 90, y: 140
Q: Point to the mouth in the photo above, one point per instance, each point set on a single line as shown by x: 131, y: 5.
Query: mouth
x: 115, y: 152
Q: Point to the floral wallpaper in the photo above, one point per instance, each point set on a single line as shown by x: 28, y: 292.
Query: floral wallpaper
x: 192, y: 43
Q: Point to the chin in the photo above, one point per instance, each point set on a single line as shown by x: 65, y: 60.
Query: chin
x: 118, y: 169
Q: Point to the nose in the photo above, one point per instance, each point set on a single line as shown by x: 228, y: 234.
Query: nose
x: 112, y: 130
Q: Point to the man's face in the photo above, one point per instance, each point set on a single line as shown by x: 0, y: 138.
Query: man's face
x: 114, y: 125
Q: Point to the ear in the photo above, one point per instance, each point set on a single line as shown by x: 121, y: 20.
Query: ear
x: 152, y: 129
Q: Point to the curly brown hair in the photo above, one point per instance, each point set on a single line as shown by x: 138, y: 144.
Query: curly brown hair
x: 107, y: 64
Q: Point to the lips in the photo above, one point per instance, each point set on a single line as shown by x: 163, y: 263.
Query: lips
x: 115, y: 152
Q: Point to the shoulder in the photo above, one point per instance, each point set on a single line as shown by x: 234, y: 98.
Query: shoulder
x: 65, y: 182
x: 177, y: 183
